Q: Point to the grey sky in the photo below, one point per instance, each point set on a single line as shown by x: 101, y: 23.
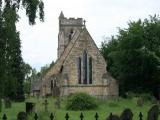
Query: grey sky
x: 39, y: 42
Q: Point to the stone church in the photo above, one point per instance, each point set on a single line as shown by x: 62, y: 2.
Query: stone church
x: 80, y: 67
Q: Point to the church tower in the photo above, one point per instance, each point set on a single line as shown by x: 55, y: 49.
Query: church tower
x: 67, y: 29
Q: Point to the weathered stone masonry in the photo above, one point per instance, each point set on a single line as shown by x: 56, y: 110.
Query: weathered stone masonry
x: 80, y: 67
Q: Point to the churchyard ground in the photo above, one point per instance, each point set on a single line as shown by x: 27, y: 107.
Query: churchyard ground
x: 104, y: 109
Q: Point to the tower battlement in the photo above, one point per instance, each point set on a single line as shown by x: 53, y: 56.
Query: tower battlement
x: 71, y: 21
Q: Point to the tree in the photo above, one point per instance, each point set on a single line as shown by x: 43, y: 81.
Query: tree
x: 133, y: 56
x: 27, y: 70
x: 2, y: 49
x: 31, y: 7
x: 31, y: 75
x: 11, y: 62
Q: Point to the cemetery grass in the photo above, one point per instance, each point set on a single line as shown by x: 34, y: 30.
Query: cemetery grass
x: 104, y: 109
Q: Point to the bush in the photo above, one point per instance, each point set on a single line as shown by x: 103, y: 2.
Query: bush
x: 81, y: 101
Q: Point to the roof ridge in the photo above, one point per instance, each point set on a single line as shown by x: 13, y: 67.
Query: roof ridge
x: 63, y: 57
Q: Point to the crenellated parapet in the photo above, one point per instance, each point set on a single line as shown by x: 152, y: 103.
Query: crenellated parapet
x: 71, y: 21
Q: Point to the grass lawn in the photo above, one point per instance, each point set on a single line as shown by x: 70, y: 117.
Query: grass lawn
x: 104, y: 109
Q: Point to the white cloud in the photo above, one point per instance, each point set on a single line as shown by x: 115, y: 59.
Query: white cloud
x: 39, y: 42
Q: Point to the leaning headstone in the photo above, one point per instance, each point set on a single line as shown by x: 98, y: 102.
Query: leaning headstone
x: 7, y: 103
x: 153, y: 113
x: 30, y: 107
x: 113, y: 117
x: 126, y: 114
x: 22, y: 116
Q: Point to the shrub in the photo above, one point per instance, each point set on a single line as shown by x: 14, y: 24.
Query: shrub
x: 81, y: 101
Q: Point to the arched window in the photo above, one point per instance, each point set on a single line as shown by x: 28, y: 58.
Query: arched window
x: 51, y: 85
x: 70, y: 34
x: 79, y: 69
x: 85, y: 67
x: 90, y: 70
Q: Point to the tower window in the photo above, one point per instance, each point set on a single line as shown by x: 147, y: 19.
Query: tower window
x: 71, y: 34
x: 79, y: 69
x: 51, y: 85
x: 71, y: 31
x: 85, y: 67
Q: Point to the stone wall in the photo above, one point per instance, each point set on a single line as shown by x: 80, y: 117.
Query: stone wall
x: 98, y: 86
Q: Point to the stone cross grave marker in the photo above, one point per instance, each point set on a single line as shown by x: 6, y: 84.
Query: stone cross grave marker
x: 45, y: 105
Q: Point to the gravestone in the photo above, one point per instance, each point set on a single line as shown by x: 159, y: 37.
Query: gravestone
x: 153, y: 113
x: 30, y: 107
x: 113, y: 117
x: 126, y: 114
x: 156, y: 92
x: 57, y: 102
x: 7, y: 103
x: 22, y: 116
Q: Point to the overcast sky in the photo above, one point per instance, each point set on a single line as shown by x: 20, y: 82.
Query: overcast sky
x: 39, y: 42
